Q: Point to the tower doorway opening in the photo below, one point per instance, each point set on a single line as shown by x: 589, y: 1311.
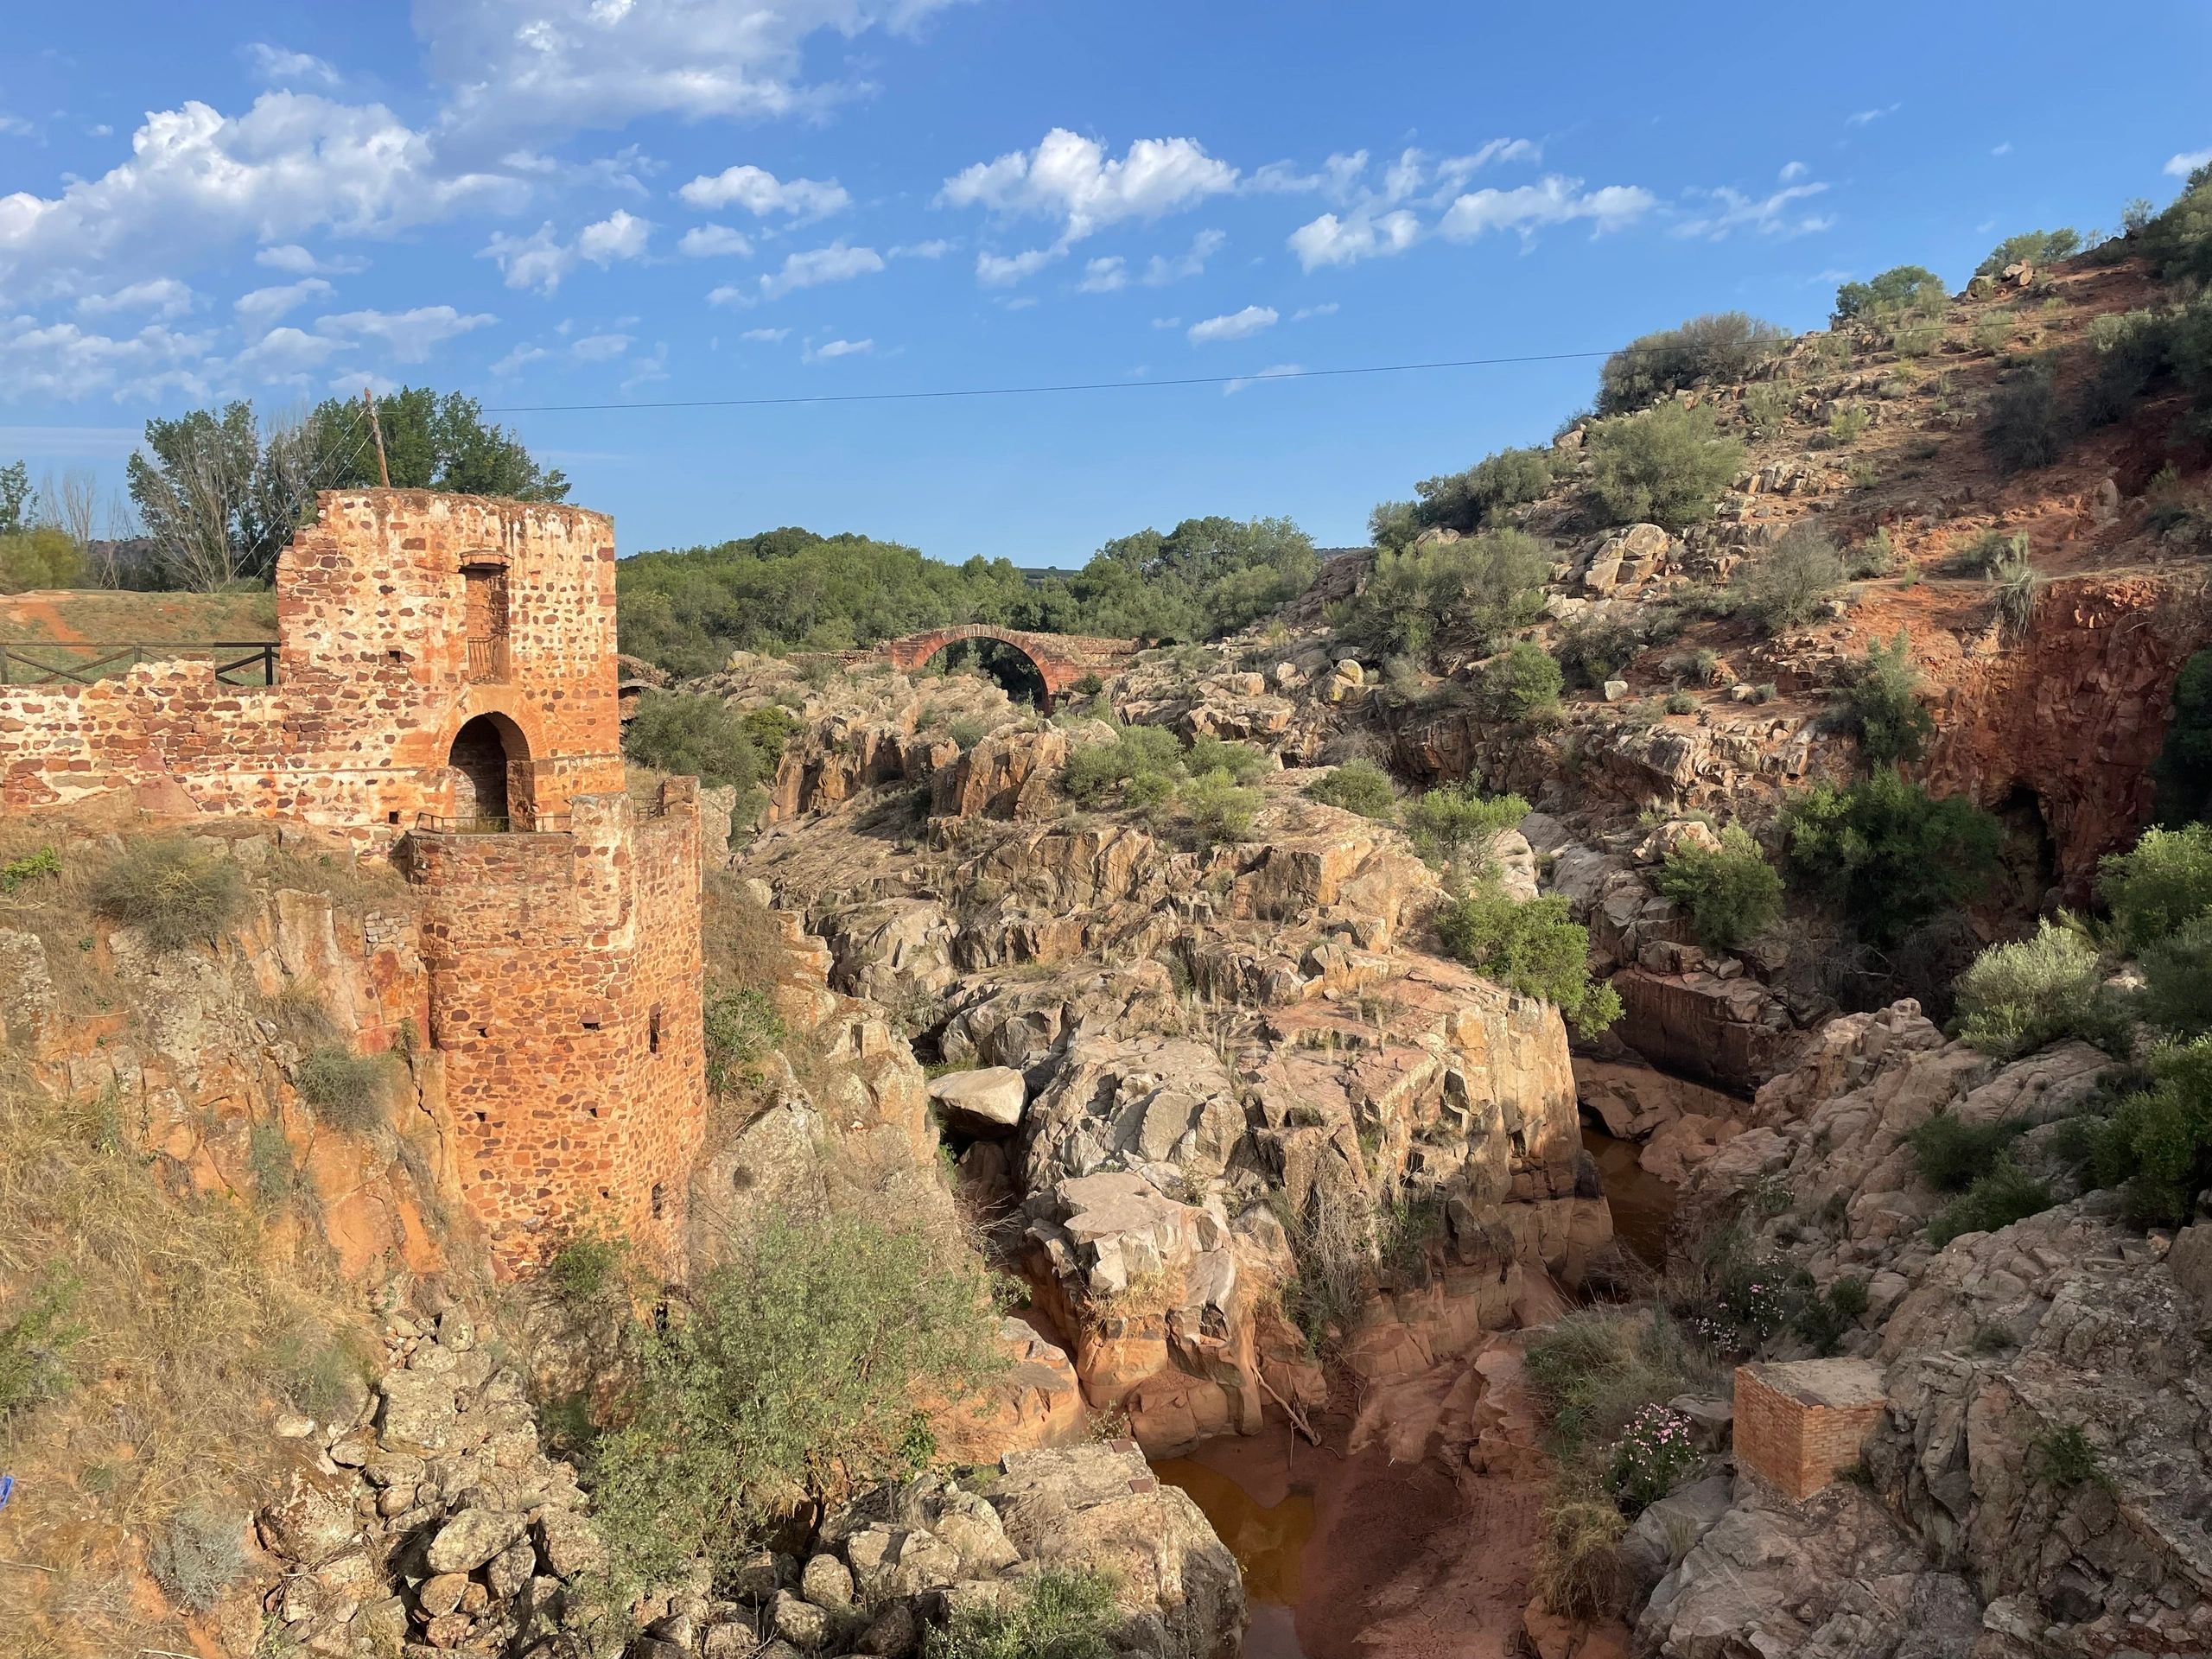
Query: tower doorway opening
x: 487, y: 751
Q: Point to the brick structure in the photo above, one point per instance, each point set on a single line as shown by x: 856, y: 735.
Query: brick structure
x: 1061, y: 659
x: 447, y: 694
x: 1797, y: 1424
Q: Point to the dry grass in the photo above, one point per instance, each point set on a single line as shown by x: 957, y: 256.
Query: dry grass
x: 178, y: 1338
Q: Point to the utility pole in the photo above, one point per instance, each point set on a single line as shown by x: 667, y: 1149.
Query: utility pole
x: 376, y: 427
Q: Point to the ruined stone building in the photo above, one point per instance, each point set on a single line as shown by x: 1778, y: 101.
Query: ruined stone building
x: 445, y: 695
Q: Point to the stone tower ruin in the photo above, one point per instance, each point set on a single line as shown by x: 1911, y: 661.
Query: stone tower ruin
x: 445, y: 695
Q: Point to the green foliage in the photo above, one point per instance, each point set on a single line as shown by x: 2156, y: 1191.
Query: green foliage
x: 1593, y: 650
x: 1787, y: 587
x: 16, y: 872
x: 1468, y: 501
x: 678, y: 732
x: 1137, y: 751
x: 1523, y: 681
x: 1058, y: 1614
x: 18, y: 501
x: 345, y: 1089
x: 1900, y: 288
x: 2176, y: 995
x: 742, y: 1028
x: 1592, y: 1370
x: 430, y: 443
x: 1827, y: 1318
x: 1656, y: 1453
x: 2064, y: 1458
x: 1883, y: 705
x: 41, y: 556
x: 2005, y: 1194
x: 1216, y: 808
x: 2158, y: 1142
x: 2019, y: 997
x: 1724, y: 346
x: 2013, y: 586
x: 1463, y: 593
x: 2023, y: 427
x: 2177, y: 243
x: 1731, y: 892
x: 170, y: 891
x: 35, y: 1344
x: 1358, y: 786
x: 198, y: 1553
x: 1952, y: 1154
x: 1989, y: 551
x: 2029, y: 248
x: 769, y: 728
x: 2159, y: 886
x: 1847, y: 424
x: 1887, y: 854
x: 1209, y: 754
x: 588, y: 1267
x: 1994, y: 330
x: 1456, y: 825
x: 1535, y: 947
x: 219, y: 497
x: 796, y: 1376
x: 1666, y: 466
x: 1205, y: 577
x: 2182, y: 771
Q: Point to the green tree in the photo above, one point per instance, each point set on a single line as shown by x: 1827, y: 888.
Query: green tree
x: 2157, y: 1143
x: 430, y: 443
x: 678, y: 732
x: 1723, y: 345
x: 41, y: 556
x: 1535, y: 947
x: 18, y: 501
x: 1886, y: 714
x: 2018, y: 997
x: 1901, y: 287
x: 1731, y: 892
x: 1466, y: 501
x: 2159, y: 886
x: 1666, y: 465
x: 2029, y: 248
x: 1887, y: 854
x: 1521, y: 682
x: 219, y: 494
x: 1460, y: 595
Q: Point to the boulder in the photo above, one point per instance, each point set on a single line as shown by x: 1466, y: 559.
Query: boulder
x: 985, y: 1102
x: 472, y: 1538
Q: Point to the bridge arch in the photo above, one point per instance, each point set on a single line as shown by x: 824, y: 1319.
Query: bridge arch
x: 1061, y: 659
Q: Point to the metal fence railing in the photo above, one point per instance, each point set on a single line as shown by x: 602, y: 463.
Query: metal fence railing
x: 38, y: 662
x: 488, y: 823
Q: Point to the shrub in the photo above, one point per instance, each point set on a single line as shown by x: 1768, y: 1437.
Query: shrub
x: 1536, y: 948
x: 1681, y: 702
x: 17, y: 871
x: 1464, y: 594
x: 1787, y: 587
x: 742, y: 1027
x: 587, y: 1266
x: 967, y: 732
x: 1591, y: 652
x: 1886, y: 712
x: 2021, y: 996
x: 1578, y: 1567
x: 1887, y: 854
x: 1239, y: 760
x: 1358, y: 786
x: 171, y: 892
x: 1666, y: 466
x: 796, y: 1376
x: 1994, y: 330
x: 1952, y: 1154
x: 1769, y: 403
x: 770, y: 728
x: 1826, y: 1319
x: 2029, y: 248
x: 34, y: 1346
x: 1654, y: 1455
x: 2013, y: 586
x: 2065, y: 1457
x: 2178, y: 242
x: 1725, y: 346
x: 1059, y: 1614
x: 197, y: 1553
x: 1520, y: 683
x: 2176, y: 995
x: 1901, y: 287
x: 676, y: 731
x: 2006, y: 1194
x: 1847, y: 424
x: 2023, y: 427
x: 1732, y: 892
x: 345, y: 1089
x: 2159, y: 886
x: 1916, y: 338
x: 1466, y: 501
x: 2157, y: 1143
x: 1216, y: 808
x: 1456, y: 822
x: 2182, y: 771
x: 1135, y: 751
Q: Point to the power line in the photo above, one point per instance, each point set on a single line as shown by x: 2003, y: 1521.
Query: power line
x: 1026, y: 391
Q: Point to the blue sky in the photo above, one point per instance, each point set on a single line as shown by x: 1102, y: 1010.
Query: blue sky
x: 595, y: 201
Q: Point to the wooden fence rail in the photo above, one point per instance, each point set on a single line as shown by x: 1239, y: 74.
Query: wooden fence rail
x: 45, y: 662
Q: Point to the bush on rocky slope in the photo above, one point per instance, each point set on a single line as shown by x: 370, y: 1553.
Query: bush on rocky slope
x: 1470, y: 500
x: 1059, y: 1614
x: 1787, y: 587
x: 2020, y: 996
x: 1900, y: 290
x: 2159, y: 886
x: 1666, y: 466
x: 1731, y: 892
x: 2157, y: 1143
x: 1884, y: 706
x: 172, y: 891
x: 1535, y: 947
x: 1724, y: 346
x: 2029, y: 248
x: 1358, y: 786
x: 1462, y: 595
x: 1888, y: 855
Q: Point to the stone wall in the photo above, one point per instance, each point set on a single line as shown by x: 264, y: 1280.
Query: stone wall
x: 374, y: 679
x: 564, y: 999
x: 1798, y: 1424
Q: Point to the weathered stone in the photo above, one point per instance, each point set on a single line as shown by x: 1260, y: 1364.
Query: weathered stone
x: 985, y: 1102
x: 472, y: 1538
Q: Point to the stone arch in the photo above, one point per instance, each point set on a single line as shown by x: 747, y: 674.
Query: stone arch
x: 489, y: 763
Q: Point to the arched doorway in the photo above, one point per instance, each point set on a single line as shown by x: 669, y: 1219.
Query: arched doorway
x: 1015, y: 672
x: 488, y: 754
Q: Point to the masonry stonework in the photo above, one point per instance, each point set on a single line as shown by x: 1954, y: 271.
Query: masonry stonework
x: 1798, y: 1424
x: 445, y: 693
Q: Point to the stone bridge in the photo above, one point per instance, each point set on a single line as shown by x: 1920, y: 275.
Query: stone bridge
x: 1061, y: 659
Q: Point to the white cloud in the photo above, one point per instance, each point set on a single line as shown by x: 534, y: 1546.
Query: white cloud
x: 839, y: 348
x: 1237, y: 325
x: 710, y: 241
x: 760, y: 193
x: 2004, y: 149
x: 934, y: 248
x: 1867, y: 117
x: 1334, y: 179
x: 2188, y: 162
x: 1793, y: 171
x: 1159, y: 271
x: 1329, y: 240
x: 836, y: 263
x: 768, y: 336
x: 296, y: 261
x: 1021, y: 302
x: 1168, y: 322
x: 541, y: 259
x: 278, y: 65
x: 164, y: 296
x: 567, y: 65
x: 521, y: 356
x: 644, y: 371
x: 262, y: 307
x: 1767, y: 215
x: 619, y: 236
x: 1069, y: 178
x: 1554, y: 201
x: 352, y: 380
x: 61, y: 362
x: 408, y: 335
x: 1105, y: 276
x: 598, y: 348
x: 286, y: 354
x: 15, y: 126
x: 1328, y: 309
x: 1278, y: 372
x: 197, y: 180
